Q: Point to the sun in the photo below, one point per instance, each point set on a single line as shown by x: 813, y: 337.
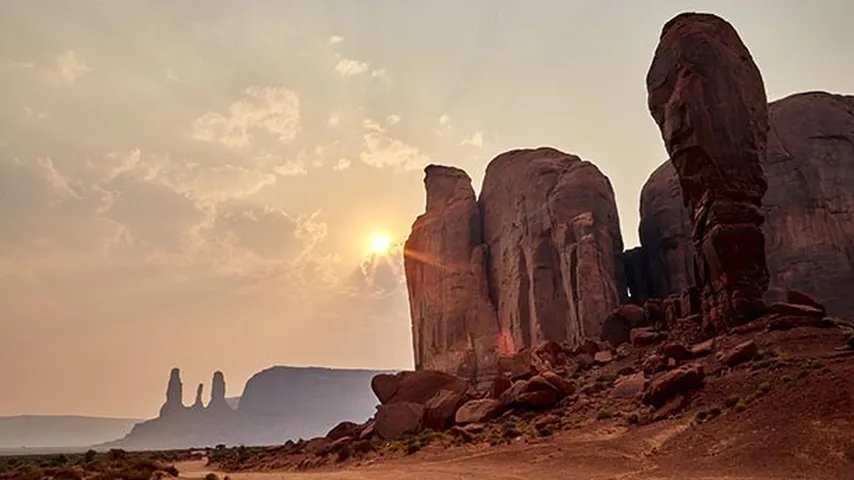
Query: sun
x: 379, y: 244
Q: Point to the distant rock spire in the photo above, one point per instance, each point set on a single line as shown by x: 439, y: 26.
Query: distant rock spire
x: 218, y: 402
x: 198, y: 403
x: 174, y: 394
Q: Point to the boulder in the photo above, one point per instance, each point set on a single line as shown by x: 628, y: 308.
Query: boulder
x: 395, y: 420
x: 345, y: 429
x: 617, y: 327
x: 499, y: 386
x: 551, y: 227
x: 796, y: 310
x: 703, y: 348
x: 741, y: 353
x: 629, y: 386
x: 702, y: 70
x: 478, y: 411
x: 562, y: 385
x: 676, y: 351
x: 439, y: 409
x: 683, y: 379
x: 642, y: 337
x: 415, y: 387
x: 454, y: 323
x: 603, y: 357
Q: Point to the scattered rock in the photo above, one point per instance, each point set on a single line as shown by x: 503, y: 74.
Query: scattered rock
x: 562, y: 385
x: 395, y: 420
x: 653, y: 364
x: 477, y: 411
x: 644, y: 337
x: 603, y: 357
x: 584, y: 360
x: 676, y: 350
x: 793, y: 309
x: 415, y: 387
x: 800, y: 298
x: 680, y: 380
x: 618, y: 325
x: 440, y: 409
x: 345, y: 429
x: 537, y: 399
x: 673, y: 406
x: 629, y: 386
x: 741, y: 353
x: 703, y: 348
x: 499, y: 385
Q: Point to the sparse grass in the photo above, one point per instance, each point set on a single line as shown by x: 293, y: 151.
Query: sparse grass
x: 740, y: 406
x: 604, y: 415
x: 732, y: 401
x: 113, y: 465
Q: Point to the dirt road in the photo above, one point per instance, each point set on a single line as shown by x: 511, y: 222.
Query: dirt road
x: 604, y: 454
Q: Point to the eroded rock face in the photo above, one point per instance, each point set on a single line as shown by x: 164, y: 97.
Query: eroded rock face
x: 551, y: 225
x: 808, y: 208
x: 454, y: 325
x: 708, y: 98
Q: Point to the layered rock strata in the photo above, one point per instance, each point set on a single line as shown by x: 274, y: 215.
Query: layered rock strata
x: 708, y: 98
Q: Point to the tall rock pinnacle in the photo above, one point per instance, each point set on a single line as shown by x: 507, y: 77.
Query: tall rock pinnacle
x: 217, y: 401
x: 197, y: 404
x: 174, y: 394
x: 708, y: 98
x: 454, y: 325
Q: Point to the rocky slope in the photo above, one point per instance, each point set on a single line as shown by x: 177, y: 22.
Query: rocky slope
x: 543, y: 237
x: 808, y: 208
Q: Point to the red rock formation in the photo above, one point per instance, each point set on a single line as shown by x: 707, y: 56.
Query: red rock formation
x: 551, y: 224
x: 708, y: 98
x: 454, y: 327
x: 809, y: 207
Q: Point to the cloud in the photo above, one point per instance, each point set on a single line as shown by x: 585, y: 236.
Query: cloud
x: 444, y: 125
x: 335, y: 40
x: 30, y: 114
x: 13, y: 65
x: 271, y: 110
x: 70, y: 67
x: 172, y: 76
x: 381, y: 150
x: 334, y: 120
x: 347, y: 67
x: 392, y: 119
x: 476, y: 140
x: 379, y: 73
x: 343, y: 164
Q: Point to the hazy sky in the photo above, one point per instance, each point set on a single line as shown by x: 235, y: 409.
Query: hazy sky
x: 194, y: 184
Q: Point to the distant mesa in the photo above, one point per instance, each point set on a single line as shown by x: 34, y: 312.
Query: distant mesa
x: 277, y: 404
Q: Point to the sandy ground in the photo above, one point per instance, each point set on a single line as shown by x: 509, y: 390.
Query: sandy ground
x: 604, y: 454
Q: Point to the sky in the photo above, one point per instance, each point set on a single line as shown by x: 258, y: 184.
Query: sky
x: 198, y: 186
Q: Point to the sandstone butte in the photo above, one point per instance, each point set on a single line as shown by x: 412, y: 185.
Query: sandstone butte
x: 538, y: 257
x: 753, y: 194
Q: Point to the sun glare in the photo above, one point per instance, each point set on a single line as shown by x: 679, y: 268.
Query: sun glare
x: 379, y: 244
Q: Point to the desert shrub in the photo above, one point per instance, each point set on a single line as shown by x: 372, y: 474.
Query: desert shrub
x: 89, y: 456
x: 740, y: 406
x: 211, y: 476
x: 731, y: 401
x: 603, y: 415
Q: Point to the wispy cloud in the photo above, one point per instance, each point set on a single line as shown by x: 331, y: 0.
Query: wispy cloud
x: 347, y: 67
x: 274, y: 110
x: 335, y: 40
x: 70, y: 67
x: 382, y: 150
x: 392, y: 119
x: 476, y: 140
